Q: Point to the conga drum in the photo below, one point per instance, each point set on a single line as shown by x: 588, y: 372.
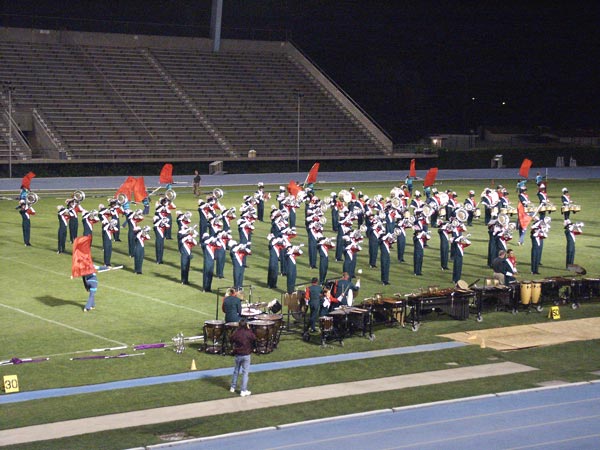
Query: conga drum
x: 262, y: 330
x: 213, y: 336
x: 525, y: 292
x: 230, y: 328
x: 275, y: 332
x: 536, y: 292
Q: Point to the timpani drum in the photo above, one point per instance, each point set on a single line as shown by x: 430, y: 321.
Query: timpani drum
x: 262, y: 329
x: 277, y: 326
x: 230, y: 328
x: 536, y: 292
x: 214, y: 333
x: 326, y: 324
x: 525, y: 292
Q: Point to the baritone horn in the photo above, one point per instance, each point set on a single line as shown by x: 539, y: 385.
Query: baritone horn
x: 122, y: 199
x: 396, y: 202
x: 462, y: 214
x: 503, y: 219
x: 218, y: 193
x: 79, y: 196
x: 31, y: 198
x: 170, y: 194
x: 345, y: 196
x: 427, y: 210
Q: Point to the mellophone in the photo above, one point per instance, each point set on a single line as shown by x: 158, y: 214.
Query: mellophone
x: 266, y: 327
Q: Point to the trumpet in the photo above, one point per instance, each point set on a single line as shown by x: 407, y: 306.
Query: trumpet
x: 79, y: 196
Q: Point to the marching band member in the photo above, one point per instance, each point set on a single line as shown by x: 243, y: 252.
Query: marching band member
x: 188, y: 242
x: 292, y: 254
x: 245, y: 229
x: 88, y: 219
x: 313, y: 296
x: 344, y: 229
x: 206, y: 212
x: 170, y: 206
x: 385, y: 244
x: 238, y: 253
x: 351, y: 249
x: 539, y: 231
x: 488, y: 205
x: 74, y: 209
x: 141, y: 235
x: 460, y: 244
x: 64, y: 215
x: 420, y: 237
x: 108, y: 229
x: 281, y: 196
x: 115, y: 210
x: 470, y: 207
x: 500, y: 235
x: 571, y: 230
x: 232, y: 306
x: 524, y: 200
x: 287, y: 235
x: 209, y: 246
x: 492, y: 253
x: 26, y: 212
x: 445, y: 232
x: 416, y: 203
x: 328, y: 302
x: 400, y: 231
x: 324, y: 245
x: 315, y: 232
x: 375, y: 230
x: 215, y: 225
x: 565, y: 199
x: 543, y: 198
x: 275, y: 248
x: 160, y: 229
x: 227, y: 216
x: 336, y: 206
x: 222, y: 238
x: 261, y: 196
x: 451, y: 205
x: 133, y: 219
x: 511, y: 260
x: 183, y: 223
x: 342, y: 288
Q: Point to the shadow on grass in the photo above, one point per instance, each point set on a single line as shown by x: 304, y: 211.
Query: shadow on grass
x: 52, y: 301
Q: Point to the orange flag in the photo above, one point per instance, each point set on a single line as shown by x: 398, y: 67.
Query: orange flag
x: 26, y: 181
x: 166, y: 174
x: 127, y: 187
x: 430, y: 177
x: 139, y: 190
x: 524, y: 218
x: 525, y: 166
x: 81, y: 262
x: 413, y: 168
x: 293, y: 188
x: 312, y: 174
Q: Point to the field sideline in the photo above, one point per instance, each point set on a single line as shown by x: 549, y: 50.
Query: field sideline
x: 42, y: 307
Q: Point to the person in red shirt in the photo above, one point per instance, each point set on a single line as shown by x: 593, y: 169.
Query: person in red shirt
x: 243, y: 340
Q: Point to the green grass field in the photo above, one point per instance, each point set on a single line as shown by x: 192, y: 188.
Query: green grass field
x: 41, y: 312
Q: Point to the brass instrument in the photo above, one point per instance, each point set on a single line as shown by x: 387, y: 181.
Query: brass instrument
x: 427, y: 211
x: 345, y: 196
x: 363, y: 229
x: 396, y: 192
x: 504, y: 220
x: 122, y: 199
x: 462, y: 214
x: 218, y: 193
x: 31, y: 198
x: 170, y: 194
x: 79, y: 196
x: 396, y: 202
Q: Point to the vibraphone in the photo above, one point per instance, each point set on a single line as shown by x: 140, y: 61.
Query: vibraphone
x: 386, y: 310
x: 453, y: 302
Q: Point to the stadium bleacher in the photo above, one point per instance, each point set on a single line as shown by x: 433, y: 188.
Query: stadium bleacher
x: 151, y: 101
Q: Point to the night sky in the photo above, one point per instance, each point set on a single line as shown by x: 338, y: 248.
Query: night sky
x: 417, y: 67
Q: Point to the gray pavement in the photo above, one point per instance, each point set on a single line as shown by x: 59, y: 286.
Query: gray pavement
x: 237, y: 404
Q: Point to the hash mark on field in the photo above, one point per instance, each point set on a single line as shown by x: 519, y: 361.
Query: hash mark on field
x: 61, y: 324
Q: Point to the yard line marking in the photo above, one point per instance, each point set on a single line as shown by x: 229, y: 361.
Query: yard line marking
x: 61, y: 324
x: 124, y: 291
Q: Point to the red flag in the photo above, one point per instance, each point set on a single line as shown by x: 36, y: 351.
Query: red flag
x: 413, y: 169
x: 26, y: 181
x: 525, y: 166
x: 139, y: 190
x: 312, y: 174
x: 430, y: 177
x: 524, y: 218
x: 81, y: 262
x: 166, y: 174
x: 126, y: 188
x: 293, y: 188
